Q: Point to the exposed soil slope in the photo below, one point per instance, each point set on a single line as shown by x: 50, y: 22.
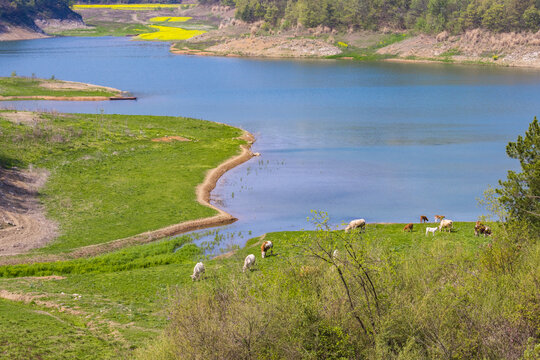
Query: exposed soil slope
x: 509, y: 49
x: 23, y: 225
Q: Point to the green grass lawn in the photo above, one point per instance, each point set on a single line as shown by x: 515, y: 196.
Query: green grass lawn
x: 25, y: 86
x: 108, y: 179
x: 29, y: 332
x: 132, y: 288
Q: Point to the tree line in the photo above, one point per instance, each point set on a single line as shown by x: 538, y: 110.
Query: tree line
x: 430, y: 16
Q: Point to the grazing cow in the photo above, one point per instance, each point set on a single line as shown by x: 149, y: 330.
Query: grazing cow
x: 267, y: 245
x: 439, y: 217
x: 198, y: 271
x: 408, y: 227
x: 446, y: 224
x: 424, y: 219
x: 249, y: 262
x: 357, y: 223
x: 480, y: 228
x: 477, y: 227
x: 431, y: 230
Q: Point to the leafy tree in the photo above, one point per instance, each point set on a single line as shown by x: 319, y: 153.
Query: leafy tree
x: 520, y: 193
x: 531, y: 18
x: 494, y: 18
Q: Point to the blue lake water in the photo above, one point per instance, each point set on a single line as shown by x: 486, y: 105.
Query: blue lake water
x: 383, y: 141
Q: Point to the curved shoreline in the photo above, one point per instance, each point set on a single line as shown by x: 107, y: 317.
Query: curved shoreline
x: 203, y: 191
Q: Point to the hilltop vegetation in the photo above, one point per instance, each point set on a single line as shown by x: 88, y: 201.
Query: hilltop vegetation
x: 25, y: 12
x: 431, y: 16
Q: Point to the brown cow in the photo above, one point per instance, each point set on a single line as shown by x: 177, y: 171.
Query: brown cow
x: 408, y: 227
x: 439, y: 217
x: 424, y: 218
x: 267, y: 245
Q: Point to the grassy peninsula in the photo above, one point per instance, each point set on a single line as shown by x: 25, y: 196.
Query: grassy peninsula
x: 31, y: 88
x: 115, y: 176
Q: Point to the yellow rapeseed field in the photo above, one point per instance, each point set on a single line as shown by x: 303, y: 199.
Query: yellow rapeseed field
x: 167, y: 33
x: 127, y: 6
x: 170, y: 18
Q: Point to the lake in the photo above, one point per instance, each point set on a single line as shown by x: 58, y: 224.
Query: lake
x: 387, y: 142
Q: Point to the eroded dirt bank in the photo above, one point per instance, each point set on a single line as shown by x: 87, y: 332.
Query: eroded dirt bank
x: 474, y: 46
x: 23, y: 225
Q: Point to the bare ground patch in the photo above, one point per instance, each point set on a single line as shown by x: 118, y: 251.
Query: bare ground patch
x: 275, y: 46
x: 170, y: 139
x: 72, y: 85
x: 23, y: 225
x: 11, y: 32
x: 22, y: 117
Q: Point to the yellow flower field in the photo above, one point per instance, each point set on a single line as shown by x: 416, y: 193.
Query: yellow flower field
x: 127, y: 6
x: 170, y: 18
x: 167, y: 33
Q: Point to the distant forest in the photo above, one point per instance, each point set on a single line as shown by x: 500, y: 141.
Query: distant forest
x: 430, y: 16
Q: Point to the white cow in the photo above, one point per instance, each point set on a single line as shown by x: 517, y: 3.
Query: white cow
x: 357, y: 223
x: 446, y: 224
x: 249, y: 262
x: 431, y: 230
x: 198, y: 271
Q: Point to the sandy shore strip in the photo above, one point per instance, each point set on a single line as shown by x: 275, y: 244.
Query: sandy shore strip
x: 203, y: 197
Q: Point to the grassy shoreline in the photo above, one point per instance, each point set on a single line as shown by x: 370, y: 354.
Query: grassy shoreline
x: 31, y: 88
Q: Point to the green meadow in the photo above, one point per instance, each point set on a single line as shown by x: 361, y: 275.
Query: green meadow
x: 129, y: 297
x: 108, y: 179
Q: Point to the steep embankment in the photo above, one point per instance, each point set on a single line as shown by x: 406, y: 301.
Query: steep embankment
x: 474, y: 46
x: 20, y: 21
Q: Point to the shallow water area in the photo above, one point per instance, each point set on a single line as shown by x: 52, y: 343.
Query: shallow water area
x: 387, y: 142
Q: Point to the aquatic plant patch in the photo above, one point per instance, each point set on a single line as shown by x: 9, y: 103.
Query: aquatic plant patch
x: 168, y: 33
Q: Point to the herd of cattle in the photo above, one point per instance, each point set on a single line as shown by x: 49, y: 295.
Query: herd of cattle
x: 267, y: 246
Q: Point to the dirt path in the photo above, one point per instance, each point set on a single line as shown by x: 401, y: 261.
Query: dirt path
x: 23, y: 225
x: 203, y: 196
